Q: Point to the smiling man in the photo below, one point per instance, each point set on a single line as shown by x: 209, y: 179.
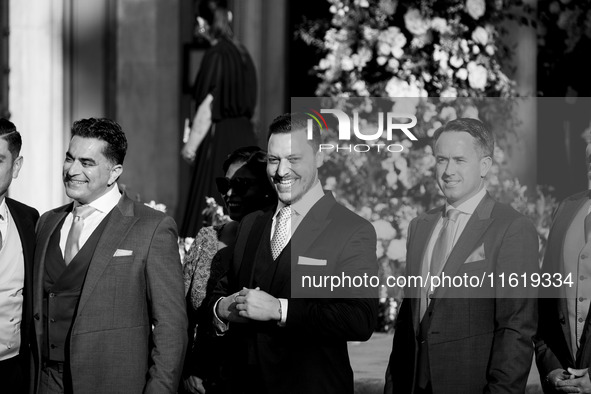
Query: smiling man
x: 563, y: 341
x: 17, y: 245
x: 281, y: 343
x: 109, y: 303
x: 454, y: 340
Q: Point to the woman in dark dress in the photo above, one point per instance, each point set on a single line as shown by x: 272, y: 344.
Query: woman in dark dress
x: 225, y: 92
x: 245, y: 189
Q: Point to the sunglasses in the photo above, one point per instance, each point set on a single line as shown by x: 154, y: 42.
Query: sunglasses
x: 238, y: 185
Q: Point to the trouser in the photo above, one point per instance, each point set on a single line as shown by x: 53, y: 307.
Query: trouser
x: 54, y: 378
x: 12, y: 376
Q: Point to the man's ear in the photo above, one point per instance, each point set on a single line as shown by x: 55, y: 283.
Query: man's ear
x: 16, y: 166
x: 116, y: 172
x: 485, y: 165
x: 319, y: 159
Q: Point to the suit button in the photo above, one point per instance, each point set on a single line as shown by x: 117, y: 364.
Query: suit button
x: 51, y: 295
x: 36, y: 316
x: 581, y: 299
x: 581, y: 320
x: 582, y: 277
x: 584, y: 256
x: 562, y: 320
x: 52, y: 320
x: 52, y: 346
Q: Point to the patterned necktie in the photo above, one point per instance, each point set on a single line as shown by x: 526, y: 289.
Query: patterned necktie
x: 588, y: 228
x: 280, y: 236
x: 80, y: 213
x: 444, y: 241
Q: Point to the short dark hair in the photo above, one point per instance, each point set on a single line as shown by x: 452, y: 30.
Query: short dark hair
x: 485, y: 141
x: 9, y: 133
x: 105, y: 130
x: 294, y: 121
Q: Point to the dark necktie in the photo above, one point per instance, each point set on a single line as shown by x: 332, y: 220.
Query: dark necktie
x: 72, y: 243
x: 443, y: 245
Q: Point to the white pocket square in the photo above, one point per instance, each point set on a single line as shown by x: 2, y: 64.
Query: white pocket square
x: 123, y: 252
x: 476, y: 255
x: 310, y: 261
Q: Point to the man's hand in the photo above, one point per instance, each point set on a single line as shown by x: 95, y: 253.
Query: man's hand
x: 255, y: 304
x: 572, y: 381
x: 194, y: 385
x: 227, y: 311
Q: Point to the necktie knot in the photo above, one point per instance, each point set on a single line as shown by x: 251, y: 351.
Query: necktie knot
x: 452, y: 214
x: 284, y: 213
x: 81, y: 212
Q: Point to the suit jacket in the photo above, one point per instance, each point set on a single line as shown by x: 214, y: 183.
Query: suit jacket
x: 309, y: 354
x: 553, y: 339
x: 479, y: 340
x: 25, y: 219
x: 129, y: 329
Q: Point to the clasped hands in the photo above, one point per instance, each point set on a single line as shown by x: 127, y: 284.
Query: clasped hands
x: 249, y: 304
x: 570, y: 381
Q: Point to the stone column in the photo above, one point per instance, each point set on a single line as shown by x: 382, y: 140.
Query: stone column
x: 148, y: 94
x: 523, y: 141
x: 36, y: 97
x: 261, y: 26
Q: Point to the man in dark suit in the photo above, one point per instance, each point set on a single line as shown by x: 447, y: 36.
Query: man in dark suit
x: 283, y: 343
x: 563, y: 341
x: 466, y: 339
x: 17, y: 246
x: 109, y: 304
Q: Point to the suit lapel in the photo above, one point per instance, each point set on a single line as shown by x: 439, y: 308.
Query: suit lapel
x: 26, y: 233
x: 473, y: 232
x: 420, y: 242
x: 43, y: 236
x: 120, y: 222
x: 560, y: 226
x: 258, y: 234
x: 310, y: 229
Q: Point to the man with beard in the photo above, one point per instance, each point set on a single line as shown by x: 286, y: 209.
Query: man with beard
x: 283, y: 343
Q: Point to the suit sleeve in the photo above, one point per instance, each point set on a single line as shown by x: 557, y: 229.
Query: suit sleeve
x: 515, y: 311
x: 549, y: 329
x: 349, y: 319
x: 165, y: 291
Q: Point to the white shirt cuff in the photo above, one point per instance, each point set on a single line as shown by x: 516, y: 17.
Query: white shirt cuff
x: 220, y: 326
x: 284, y: 303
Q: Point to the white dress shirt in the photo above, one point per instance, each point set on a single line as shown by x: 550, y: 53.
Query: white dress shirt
x: 12, y: 281
x: 466, y: 209
x: 102, y: 205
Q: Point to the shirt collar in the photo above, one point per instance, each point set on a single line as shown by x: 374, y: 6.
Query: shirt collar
x: 469, y: 206
x: 304, y: 204
x: 3, y: 210
x: 107, y: 201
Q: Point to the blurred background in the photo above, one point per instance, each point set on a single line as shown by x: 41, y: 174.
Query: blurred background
x: 135, y: 61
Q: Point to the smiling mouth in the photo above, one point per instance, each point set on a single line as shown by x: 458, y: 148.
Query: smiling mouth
x: 284, y: 182
x: 451, y: 183
x: 75, y: 182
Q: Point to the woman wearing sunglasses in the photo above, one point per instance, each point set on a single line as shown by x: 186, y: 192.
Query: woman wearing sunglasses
x: 244, y: 189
